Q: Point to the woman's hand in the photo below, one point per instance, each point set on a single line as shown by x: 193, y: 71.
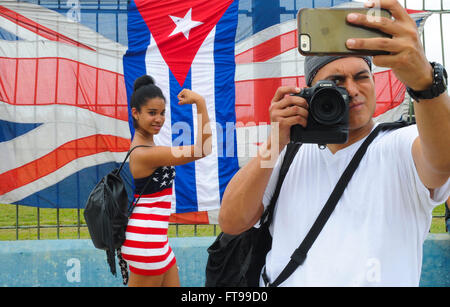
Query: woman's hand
x: 187, y: 96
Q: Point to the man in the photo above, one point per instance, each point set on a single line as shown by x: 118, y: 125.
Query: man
x: 375, y: 234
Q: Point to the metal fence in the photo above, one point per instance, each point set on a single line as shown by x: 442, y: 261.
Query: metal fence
x: 38, y: 223
x: 97, y: 14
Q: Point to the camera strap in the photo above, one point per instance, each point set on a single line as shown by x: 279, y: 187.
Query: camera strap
x: 299, y: 255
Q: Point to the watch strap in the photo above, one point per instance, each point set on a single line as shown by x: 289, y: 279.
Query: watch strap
x: 438, y: 86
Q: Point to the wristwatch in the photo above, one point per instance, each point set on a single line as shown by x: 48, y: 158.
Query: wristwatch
x: 437, y: 88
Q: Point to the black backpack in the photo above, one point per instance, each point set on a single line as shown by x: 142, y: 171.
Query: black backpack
x: 107, y: 213
x: 238, y: 260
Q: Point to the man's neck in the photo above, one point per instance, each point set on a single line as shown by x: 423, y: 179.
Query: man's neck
x: 354, y: 136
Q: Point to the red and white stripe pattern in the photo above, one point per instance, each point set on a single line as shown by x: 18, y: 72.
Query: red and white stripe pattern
x: 146, y: 248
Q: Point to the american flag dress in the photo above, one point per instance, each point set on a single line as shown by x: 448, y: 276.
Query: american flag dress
x: 146, y: 248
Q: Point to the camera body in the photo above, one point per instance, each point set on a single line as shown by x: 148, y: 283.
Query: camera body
x: 327, y: 116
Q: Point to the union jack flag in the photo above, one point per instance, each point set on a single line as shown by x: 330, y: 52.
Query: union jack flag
x: 63, y: 108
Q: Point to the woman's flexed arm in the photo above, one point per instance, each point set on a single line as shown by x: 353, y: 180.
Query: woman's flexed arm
x: 146, y: 159
x: 202, y: 146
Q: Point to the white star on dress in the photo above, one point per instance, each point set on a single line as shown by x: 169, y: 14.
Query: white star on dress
x: 185, y: 24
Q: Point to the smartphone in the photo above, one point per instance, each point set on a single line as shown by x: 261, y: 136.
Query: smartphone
x: 324, y: 31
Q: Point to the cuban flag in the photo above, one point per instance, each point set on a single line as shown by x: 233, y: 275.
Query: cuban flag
x: 190, y: 44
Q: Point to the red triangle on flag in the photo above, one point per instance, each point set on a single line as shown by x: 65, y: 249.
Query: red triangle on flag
x: 179, y: 28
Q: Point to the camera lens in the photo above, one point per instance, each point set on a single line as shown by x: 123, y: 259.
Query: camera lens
x: 327, y: 106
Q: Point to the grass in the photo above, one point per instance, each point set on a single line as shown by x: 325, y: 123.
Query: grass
x: 438, y: 223
x: 69, y: 228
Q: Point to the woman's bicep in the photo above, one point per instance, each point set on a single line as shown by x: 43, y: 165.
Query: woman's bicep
x: 157, y: 156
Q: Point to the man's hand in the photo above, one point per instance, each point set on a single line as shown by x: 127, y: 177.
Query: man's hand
x: 287, y: 110
x: 411, y: 67
x: 407, y: 58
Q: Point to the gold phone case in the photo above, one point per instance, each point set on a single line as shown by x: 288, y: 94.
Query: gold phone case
x: 324, y: 31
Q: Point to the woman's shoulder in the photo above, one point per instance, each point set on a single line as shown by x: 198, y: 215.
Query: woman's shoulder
x: 138, y: 152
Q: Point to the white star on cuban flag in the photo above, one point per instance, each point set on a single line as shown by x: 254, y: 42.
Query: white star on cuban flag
x: 185, y: 24
x: 189, y: 44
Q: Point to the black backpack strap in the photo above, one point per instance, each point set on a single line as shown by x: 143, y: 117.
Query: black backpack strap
x: 299, y: 255
x: 122, y: 263
x: 291, y: 151
x: 133, y: 203
x: 128, y: 154
x: 130, y: 209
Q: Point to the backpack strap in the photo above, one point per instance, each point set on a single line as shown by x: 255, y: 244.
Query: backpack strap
x: 134, y: 202
x: 299, y: 255
x: 110, y: 254
x: 291, y: 151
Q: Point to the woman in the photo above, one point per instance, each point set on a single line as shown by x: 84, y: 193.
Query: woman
x: 146, y: 248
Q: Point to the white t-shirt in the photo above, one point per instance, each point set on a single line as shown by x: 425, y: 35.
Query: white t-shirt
x: 375, y: 235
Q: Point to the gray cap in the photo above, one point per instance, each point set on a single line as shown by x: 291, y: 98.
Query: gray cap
x: 314, y: 63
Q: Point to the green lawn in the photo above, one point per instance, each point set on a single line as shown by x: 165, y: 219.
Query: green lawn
x: 28, y: 217
x: 438, y: 223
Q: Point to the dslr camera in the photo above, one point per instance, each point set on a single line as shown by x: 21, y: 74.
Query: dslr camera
x: 327, y: 117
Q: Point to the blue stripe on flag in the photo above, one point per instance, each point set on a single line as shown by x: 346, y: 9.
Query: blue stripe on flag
x: 10, y: 130
x: 418, y: 21
x: 225, y: 94
x: 8, y: 36
x: 134, y: 59
x: 181, y: 117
